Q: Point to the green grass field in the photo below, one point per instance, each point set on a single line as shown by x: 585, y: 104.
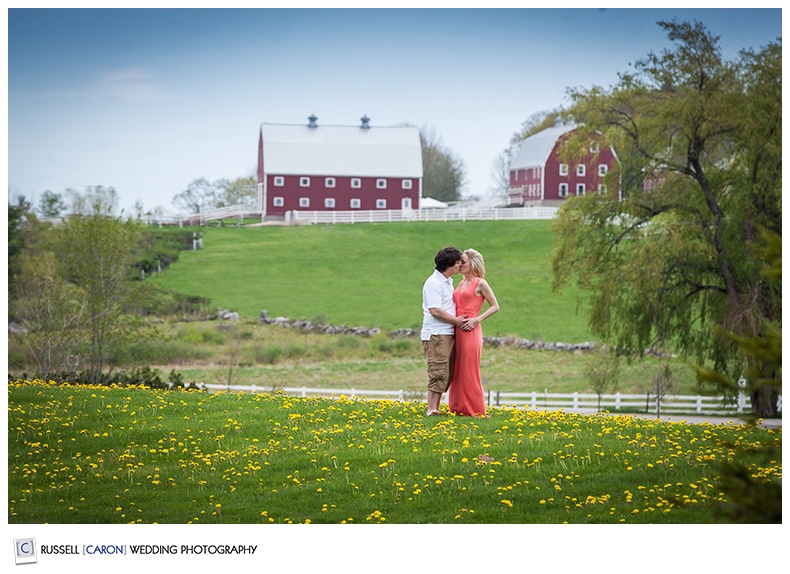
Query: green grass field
x: 371, y: 275
x: 271, y: 356
x: 111, y: 455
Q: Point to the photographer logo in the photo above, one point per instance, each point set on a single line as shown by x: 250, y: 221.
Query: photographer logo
x: 25, y: 550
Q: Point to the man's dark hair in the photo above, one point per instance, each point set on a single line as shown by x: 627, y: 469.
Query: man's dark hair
x: 446, y: 258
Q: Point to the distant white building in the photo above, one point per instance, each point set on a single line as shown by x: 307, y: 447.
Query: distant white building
x: 431, y: 203
x: 313, y: 167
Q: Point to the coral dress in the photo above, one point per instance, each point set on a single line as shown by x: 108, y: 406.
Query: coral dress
x: 466, y: 396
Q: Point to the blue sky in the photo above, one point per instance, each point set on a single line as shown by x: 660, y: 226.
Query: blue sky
x: 147, y: 100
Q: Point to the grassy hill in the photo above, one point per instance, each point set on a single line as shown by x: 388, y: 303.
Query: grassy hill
x: 372, y: 274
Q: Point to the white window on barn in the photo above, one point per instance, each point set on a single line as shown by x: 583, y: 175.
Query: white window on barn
x: 304, y: 202
x: 381, y: 204
x: 355, y: 203
x: 278, y: 201
x: 279, y: 181
x: 563, y: 190
x: 356, y: 183
x: 329, y: 182
x: 601, y: 188
x: 581, y: 170
x: 603, y: 169
x: 329, y: 202
x: 406, y: 184
x: 594, y: 147
x: 579, y: 189
x: 381, y: 184
x: 304, y: 182
x: 563, y: 169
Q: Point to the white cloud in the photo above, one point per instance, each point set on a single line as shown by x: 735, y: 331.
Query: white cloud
x: 134, y: 84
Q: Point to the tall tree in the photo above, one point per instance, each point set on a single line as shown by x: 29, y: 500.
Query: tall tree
x: 443, y: 174
x: 52, y: 314
x: 500, y: 171
x: 199, y: 196
x: 51, y: 204
x: 16, y: 240
x: 95, y: 251
x: 236, y: 192
x: 95, y: 199
x: 674, y: 263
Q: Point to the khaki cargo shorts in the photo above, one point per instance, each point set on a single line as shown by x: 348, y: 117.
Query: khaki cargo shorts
x: 440, y: 358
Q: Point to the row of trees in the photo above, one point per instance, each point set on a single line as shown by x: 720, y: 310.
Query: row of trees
x: 199, y: 196
x: 69, y: 286
x: 76, y: 304
x: 444, y: 177
x: 75, y: 202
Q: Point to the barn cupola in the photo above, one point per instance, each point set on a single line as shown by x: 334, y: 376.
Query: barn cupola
x: 365, y: 122
x: 312, y: 123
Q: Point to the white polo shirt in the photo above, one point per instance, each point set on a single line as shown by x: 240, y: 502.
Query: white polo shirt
x: 437, y: 292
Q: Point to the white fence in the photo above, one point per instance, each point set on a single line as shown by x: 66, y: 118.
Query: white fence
x: 368, y: 216
x: 571, y: 402
x: 219, y: 214
x: 395, y: 215
x: 231, y: 211
x: 672, y: 404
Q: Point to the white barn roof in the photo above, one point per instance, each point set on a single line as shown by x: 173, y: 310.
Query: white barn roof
x: 535, y: 149
x: 342, y: 150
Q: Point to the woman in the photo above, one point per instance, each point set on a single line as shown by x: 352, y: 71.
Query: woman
x: 466, y: 390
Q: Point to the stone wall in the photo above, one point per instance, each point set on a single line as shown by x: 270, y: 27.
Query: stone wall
x: 371, y: 331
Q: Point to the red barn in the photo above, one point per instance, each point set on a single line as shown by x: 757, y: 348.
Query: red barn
x: 313, y: 167
x: 539, y: 177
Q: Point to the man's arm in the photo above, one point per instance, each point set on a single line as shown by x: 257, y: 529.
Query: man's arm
x: 445, y: 317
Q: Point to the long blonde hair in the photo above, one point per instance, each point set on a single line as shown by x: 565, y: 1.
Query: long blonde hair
x: 476, y: 262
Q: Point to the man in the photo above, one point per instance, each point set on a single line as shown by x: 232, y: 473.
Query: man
x: 438, y: 325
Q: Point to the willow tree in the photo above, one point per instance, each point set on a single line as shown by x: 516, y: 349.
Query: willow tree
x: 669, y: 256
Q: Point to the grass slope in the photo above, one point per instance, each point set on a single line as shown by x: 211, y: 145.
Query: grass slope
x: 372, y: 274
